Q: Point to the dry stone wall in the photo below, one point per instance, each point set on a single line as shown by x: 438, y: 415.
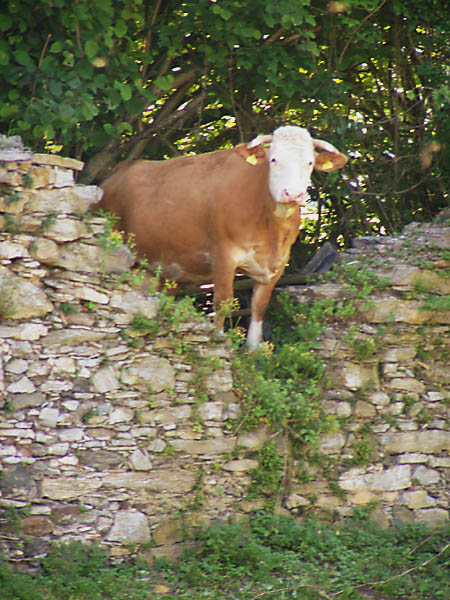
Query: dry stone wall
x: 388, y: 371
x: 120, y: 435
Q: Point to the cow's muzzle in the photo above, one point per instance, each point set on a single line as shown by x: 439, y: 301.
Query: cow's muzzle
x: 287, y: 198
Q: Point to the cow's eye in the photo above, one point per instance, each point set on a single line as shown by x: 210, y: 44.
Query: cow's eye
x: 274, y: 160
x: 310, y: 163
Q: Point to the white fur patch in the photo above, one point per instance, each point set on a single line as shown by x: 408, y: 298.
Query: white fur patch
x: 255, y: 334
x: 291, y: 161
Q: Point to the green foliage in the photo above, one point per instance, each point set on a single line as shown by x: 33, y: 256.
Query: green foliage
x: 125, y: 79
x: 264, y: 555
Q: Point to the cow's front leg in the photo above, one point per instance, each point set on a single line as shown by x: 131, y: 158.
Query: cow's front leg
x: 260, y: 299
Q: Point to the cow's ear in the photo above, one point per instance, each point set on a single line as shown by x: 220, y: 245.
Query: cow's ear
x: 253, y: 156
x: 329, y: 161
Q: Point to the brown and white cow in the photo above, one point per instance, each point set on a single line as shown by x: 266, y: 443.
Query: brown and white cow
x: 203, y: 218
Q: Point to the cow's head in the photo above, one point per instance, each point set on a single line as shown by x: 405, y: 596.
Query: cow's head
x: 292, y: 155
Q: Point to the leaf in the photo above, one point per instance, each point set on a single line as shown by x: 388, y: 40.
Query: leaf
x: 120, y: 28
x: 56, y: 47
x: 164, y: 83
x: 125, y: 91
x: 65, y: 112
x: 5, y: 22
x: 22, y: 57
x: 91, y: 48
x: 4, y: 58
x: 55, y: 88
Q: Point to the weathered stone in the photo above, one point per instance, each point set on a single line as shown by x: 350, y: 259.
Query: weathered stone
x: 417, y: 499
x: 140, y: 460
x: 130, y: 527
x: 121, y: 415
x: 58, y: 161
x: 21, y: 401
x: 72, y: 336
x: 36, y: 526
x: 168, y: 532
x: 396, y: 478
x: 425, y: 476
x: 296, y: 500
x: 68, y: 488
x: 105, y: 380
x: 45, y: 251
x: 364, y: 410
x: 332, y: 443
x: 212, y: 447
x: 211, y: 411
x: 12, y: 250
x: 254, y: 440
x: 178, y: 482
x: 26, y: 300
x: 432, y: 516
x: 243, y: 464
x: 65, y: 229
x: 102, y: 460
x: 430, y: 441
x: 406, y: 384
x: 133, y: 303
x: 49, y: 416
x: 18, y: 482
x: 22, y: 386
x: 402, y: 354
x: 153, y: 371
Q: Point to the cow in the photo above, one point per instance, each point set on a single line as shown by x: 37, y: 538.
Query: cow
x: 203, y: 218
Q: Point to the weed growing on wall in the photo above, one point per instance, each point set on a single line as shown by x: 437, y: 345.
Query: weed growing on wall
x: 264, y: 557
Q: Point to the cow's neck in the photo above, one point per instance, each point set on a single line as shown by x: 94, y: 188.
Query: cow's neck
x: 284, y: 211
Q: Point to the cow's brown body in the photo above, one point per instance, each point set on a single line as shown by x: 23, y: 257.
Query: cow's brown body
x: 203, y: 218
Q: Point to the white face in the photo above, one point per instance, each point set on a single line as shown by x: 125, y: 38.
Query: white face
x: 291, y: 161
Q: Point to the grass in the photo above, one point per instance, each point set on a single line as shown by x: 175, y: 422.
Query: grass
x: 265, y: 557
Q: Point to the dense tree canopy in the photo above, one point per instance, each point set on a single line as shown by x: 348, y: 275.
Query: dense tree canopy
x: 103, y: 80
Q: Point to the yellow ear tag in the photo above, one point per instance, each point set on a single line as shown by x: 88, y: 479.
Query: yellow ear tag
x: 328, y: 165
x: 252, y: 159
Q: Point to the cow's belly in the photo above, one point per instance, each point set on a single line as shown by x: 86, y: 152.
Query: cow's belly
x: 192, y: 269
x: 260, y: 268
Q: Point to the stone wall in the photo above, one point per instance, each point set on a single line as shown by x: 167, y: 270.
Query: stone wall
x: 388, y: 368
x: 119, y: 434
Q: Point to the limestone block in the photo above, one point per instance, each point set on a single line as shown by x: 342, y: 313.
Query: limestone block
x: 388, y: 309
x: 152, y: 371
x: 176, y: 481
x: 25, y: 299
x: 58, y: 161
x: 49, y: 416
x: 45, y: 251
x: 131, y: 302
x: 211, y: 411
x: 12, y: 250
x: 400, y: 354
x: 41, y: 177
x: 121, y: 415
x: 425, y: 476
x: 364, y: 410
x: 430, y: 441
x: 296, y: 500
x: 130, y: 527
x: 24, y: 385
x: 417, y: 499
x: 63, y: 178
x: 69, y: 488
x: 167, y: 532
x: 332, y: 443
x: 64, y: 229
x: 406, y: 384
x: 140, y: 460
x: 409, y: 276
x: 432, y: 516
x: 355, y: 376
x: 243, y: 464
x: 211, y: 447
x: 395, y: 478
